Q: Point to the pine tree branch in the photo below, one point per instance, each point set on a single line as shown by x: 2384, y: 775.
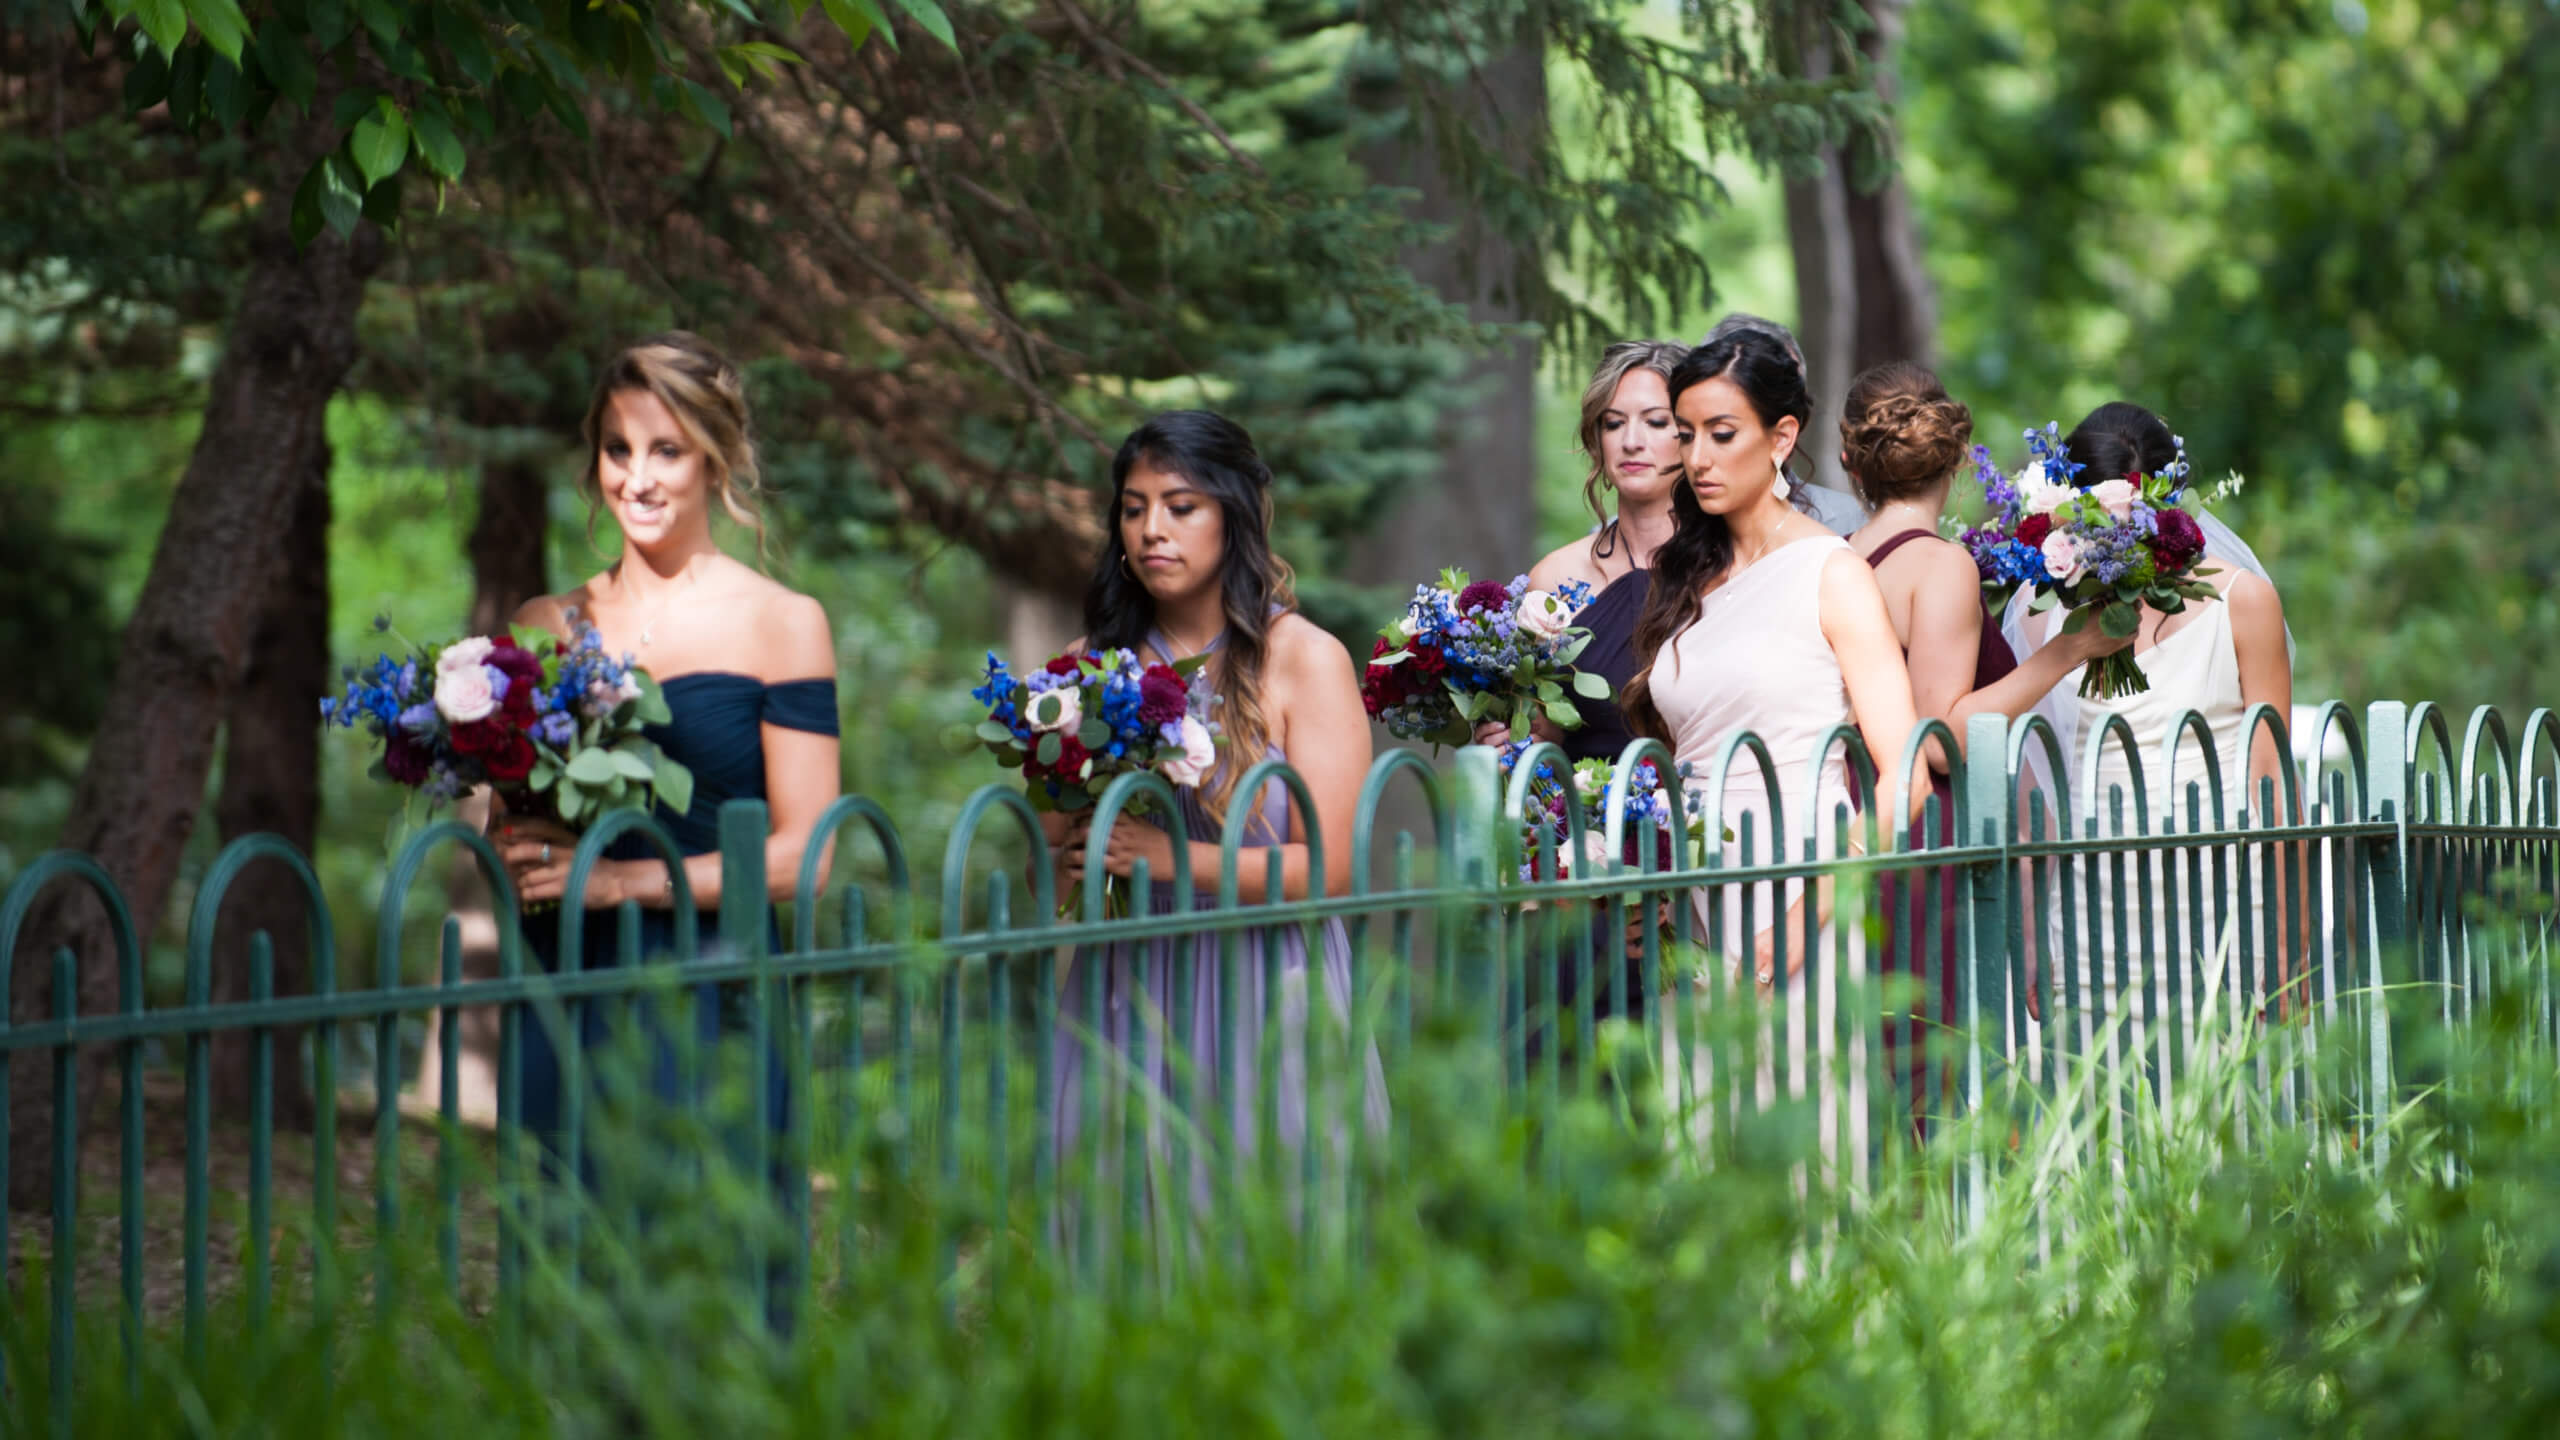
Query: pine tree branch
x: 1114, y: 58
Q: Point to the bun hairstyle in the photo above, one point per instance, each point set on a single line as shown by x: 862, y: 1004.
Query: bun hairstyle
x: 1771, y: 377
x: 1620, y: 360
x: 1901, y: 433
x: 2120, y: 440
x: 1216, y: 455
x: 705, y: 392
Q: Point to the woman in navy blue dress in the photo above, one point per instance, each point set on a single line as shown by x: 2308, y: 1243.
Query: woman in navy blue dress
x: 748, y: 669
x: 1633, y: 445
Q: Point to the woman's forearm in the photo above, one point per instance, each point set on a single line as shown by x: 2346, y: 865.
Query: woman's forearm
x: 2017, y: 692
x: 1253, y: 871
x: 647, y: 881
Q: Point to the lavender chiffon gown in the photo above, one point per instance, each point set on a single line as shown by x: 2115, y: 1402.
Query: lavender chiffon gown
x: 1177, y: 985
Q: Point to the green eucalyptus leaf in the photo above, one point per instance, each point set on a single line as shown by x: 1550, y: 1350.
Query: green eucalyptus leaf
x: 651, y: 707
x: 1564, y: 715
x: 1590, y: 686
x: 591, y: 766
x: 632, y: 765
x: 1050, y: 748
x: 958, y: 740
x: 672, y: 783
x: 2120, y: 621
x: 994, y: 732
x: 1093, y: 734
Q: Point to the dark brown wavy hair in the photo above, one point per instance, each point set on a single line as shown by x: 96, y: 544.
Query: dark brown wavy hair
x: 1700, y: 549
x: 1255, y: 586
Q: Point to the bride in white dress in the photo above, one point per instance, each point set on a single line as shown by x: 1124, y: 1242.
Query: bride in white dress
x: 2218, y: 658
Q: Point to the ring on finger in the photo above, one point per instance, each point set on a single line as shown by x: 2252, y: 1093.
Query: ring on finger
x: 546, y: 852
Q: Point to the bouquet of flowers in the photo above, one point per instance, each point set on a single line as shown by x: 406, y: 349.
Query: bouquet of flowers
x: 2103, y: 551
x: 1085, y: 718
x: 1585, y: 785
x: 555, y: 728
x: 1464, y: 651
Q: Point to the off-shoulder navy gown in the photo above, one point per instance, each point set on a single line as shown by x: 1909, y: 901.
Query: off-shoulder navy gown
x: 715, y: 729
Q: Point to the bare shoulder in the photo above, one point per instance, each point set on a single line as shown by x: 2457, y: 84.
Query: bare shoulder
x: 2254, y: 602
x: 791, y: 637
x: 1569, y: 561
x: 551, y: 612
x: 1846, y: 573
x: 1302, y: 649
x: 1944, y: 564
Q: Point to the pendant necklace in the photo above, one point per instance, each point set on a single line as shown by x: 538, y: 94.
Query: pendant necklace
x: 658, y: 612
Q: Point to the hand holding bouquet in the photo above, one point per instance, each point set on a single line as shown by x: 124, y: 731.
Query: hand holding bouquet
x: 556, y: 729
x: 1085, y: 718
x: 1465, y: 652
x: 1555, y: 792
x: 2102, y: 550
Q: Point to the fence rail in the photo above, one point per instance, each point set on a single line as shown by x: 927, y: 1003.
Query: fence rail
x: 1104, y: 1079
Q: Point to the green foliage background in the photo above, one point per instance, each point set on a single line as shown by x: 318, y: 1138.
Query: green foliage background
x: 2319, y: 236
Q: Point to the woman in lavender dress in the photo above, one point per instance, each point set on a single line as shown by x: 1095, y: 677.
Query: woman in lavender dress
x: 1186, y: 570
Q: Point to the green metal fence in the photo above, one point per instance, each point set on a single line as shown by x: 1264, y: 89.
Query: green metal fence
x: 2045, y: 946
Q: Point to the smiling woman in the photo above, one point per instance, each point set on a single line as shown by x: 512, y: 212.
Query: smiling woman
x: 748, y: 668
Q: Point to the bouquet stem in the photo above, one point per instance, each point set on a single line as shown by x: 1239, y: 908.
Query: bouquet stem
x: 2111, y: 677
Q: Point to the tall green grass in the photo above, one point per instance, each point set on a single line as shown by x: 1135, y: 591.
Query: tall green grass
x: 2067, y: 1261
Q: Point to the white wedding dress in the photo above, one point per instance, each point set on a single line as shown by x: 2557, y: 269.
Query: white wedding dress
x: 2151, y: 931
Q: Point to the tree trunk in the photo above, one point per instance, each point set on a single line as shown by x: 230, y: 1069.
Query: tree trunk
x: 185, y: 648
x: 508, y: 548
x: 271, y: 783
x: 1482, y: 511
x: 1862, y: 297
x: 507, y: 541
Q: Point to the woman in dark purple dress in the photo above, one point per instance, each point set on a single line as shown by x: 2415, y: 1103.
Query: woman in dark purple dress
x: 1902, y: 440
x: 1634, y: 452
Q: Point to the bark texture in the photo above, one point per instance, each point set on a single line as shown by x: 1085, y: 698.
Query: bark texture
x: 1862, y: 298
x: 271, y: 784
x: 1482, y: 512
x: 184, y: 651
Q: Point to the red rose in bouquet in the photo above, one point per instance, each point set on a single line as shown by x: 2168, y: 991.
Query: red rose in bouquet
x: 1163, y: 696
x: 512, y: 760
x: 481, y: 737
x: 2177, y: 541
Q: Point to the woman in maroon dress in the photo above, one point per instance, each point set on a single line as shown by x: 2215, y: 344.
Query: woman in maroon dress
x: 1902, y: 440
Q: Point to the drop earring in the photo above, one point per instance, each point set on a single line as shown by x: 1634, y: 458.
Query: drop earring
x: 1784, y: 489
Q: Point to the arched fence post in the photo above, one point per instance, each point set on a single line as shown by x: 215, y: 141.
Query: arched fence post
x: 1982, y: 935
